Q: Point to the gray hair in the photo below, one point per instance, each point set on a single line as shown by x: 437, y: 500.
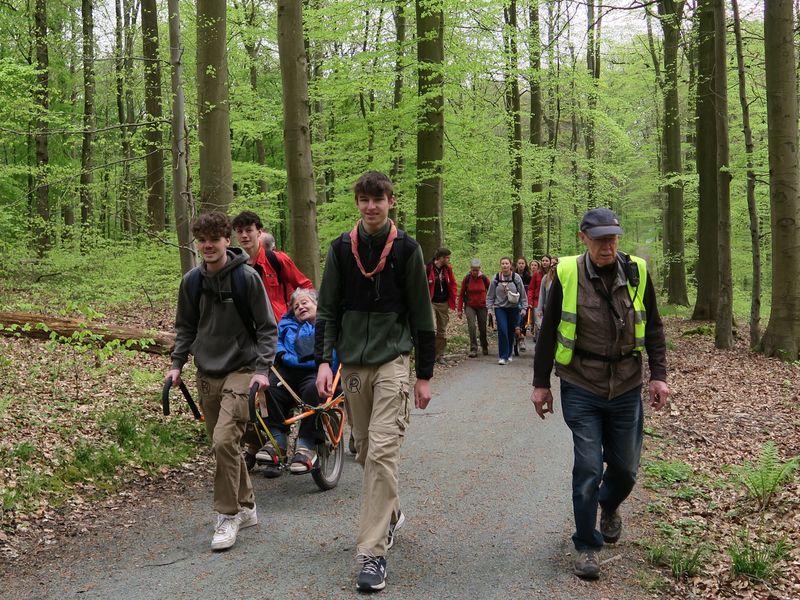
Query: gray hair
x: 303, y: 293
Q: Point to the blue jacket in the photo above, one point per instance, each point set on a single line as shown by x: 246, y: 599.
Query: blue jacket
x: 296, y: 342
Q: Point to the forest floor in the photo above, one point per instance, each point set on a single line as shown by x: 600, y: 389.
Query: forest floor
x: 82, y: 432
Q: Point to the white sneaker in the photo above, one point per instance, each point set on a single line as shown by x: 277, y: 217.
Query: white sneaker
x: 510, y: 358
x: 247, y: 517
x: 225, y: 532
x: 502, y: 361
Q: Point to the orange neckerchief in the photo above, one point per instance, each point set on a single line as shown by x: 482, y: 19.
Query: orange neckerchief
x: 386, y: 249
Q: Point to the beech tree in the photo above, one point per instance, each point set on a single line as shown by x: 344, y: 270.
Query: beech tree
x: 89, y: 123
x: 430, y: 127
x: 514, y: 125
x: 216, y: 181
x: 670, y: 14
x: 723, y: 337
x: 707, y: 267
x: 297, y: 138
x: 181, y: 191
x: 42, y: 136
x: 154, y: 154
x: 535, y: 133
x: 782, y: 336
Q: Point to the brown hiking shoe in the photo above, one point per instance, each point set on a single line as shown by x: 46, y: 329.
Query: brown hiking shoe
x: 586, y: 565
x: 610, y: 526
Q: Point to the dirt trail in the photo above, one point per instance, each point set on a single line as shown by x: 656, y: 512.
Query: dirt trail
x: 485, y: 487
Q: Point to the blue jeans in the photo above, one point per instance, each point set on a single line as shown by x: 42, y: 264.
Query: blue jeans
x: 607, y: 431
x: 507, y: 320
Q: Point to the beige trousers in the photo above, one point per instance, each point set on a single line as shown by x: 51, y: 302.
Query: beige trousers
x: 379, y: 402
x: 224, y: 404
x: 441, y: 314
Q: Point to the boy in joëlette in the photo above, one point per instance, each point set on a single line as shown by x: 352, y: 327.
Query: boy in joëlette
x: 374, y: 307
x: 233, y: 349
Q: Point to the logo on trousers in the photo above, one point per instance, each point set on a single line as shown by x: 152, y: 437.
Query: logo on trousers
x: 353, y: 383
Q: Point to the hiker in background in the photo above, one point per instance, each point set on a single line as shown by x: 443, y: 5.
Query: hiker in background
x: 278, y: 271
x: 533, y: 295
x: 544, y: 288
x: 224, y: 319
x: 506, y: 299
x: 473, y: 295
x: 442, y: 287
x: 522, y: 269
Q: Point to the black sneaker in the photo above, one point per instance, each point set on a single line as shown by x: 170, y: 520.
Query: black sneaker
x: 610, y: 526
x: 373, y: 574
x: 393, y: 527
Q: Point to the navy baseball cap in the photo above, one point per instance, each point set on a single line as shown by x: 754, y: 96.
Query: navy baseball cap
x: 600, y: 222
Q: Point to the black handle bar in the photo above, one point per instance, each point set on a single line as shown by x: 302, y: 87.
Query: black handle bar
x: 186, y: 394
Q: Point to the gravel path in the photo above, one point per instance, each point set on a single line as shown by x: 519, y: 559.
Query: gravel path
x: 484, y: 485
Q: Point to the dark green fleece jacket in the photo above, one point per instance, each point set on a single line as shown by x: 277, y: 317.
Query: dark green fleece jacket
x: 373, y: 321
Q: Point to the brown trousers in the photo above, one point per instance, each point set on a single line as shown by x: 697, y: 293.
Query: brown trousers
x: 224, y: 404
x: 378, y: 396
x: 441, y: 314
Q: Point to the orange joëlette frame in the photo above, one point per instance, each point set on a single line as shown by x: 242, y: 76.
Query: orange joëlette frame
x: 330, y: 403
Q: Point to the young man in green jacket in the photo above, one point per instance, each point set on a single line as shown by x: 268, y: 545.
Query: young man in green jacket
x: 232, y: 351
x: 374, y: 307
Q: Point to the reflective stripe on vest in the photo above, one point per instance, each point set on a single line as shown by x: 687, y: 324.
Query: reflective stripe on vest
x: 567, y: 270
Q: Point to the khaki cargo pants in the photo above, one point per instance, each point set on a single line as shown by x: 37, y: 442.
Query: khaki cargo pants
x: 224, y: 405
x: 378, y: 396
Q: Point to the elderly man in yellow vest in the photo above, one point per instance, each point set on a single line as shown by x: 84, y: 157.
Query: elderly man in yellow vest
x: 600, y: 316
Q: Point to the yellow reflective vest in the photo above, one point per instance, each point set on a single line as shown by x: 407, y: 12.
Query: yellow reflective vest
x: 567, y: 333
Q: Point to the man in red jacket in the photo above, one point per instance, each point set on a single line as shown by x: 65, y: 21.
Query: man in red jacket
x: 442, y: 286
x: 473, y: 294
x: 278, y: 271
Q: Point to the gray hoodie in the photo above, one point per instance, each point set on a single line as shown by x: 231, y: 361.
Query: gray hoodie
x: 214, y: 332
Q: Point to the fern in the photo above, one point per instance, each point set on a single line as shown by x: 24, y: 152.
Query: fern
x: 763, y: 480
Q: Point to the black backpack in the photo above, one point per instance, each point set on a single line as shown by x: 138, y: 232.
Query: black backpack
x: 194, y: 287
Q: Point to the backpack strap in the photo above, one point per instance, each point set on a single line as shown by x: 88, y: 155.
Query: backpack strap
x: 194, y: 284
x: 276, y: 264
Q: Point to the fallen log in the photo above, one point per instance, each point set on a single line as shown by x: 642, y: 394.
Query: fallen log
x: 40, y: 327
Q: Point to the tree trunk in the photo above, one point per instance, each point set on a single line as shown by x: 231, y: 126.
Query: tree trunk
x: 214, y: 134
x: 670, y: 12
x: 430, y: 127
x: 126, y: 191
x: 42, y: 135
x: 707, y: 268
x: 782, y: 336
x: 297, y: 138
x: 181, y: 189
x: 398, y: 158
x: 593, y: 67
x: 160, y: 342
x: 88, y: 112
x: 537, y: 214
x: 514, y: 126
x: 723, y: 338
x: 752, y: 207
x: 152, y: 102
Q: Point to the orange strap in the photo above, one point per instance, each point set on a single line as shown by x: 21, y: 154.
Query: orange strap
x: 386, y: 249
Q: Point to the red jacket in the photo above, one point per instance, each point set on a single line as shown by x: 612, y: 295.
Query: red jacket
x: 533, y: 289
x: 279, y: 291
x: 450, y: 280
x: 473, y: 290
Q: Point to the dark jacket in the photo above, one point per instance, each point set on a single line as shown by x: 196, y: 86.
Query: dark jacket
x: 373, y: 321
x: 449, y: 279
x: 212, y: 329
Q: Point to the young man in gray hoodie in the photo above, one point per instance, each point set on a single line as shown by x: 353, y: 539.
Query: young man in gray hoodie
x: 232, y: 351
